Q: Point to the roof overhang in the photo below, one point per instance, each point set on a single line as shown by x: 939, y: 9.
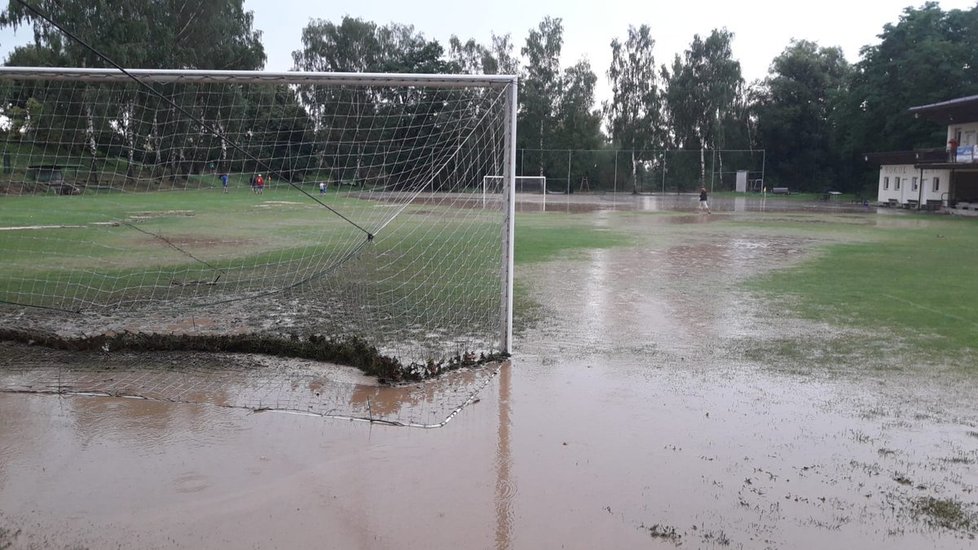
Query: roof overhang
x: 952, y: 111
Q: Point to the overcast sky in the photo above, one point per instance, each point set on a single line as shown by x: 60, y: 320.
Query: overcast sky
x: 761, y: 29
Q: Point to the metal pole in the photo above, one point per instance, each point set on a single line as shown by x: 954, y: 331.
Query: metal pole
x: 509, y: 219
x: 614, y: 188
x: 568, y: 172
x: 663, y: 172
x: 920, y: 188
x: 713, y: 170
x: 763, y: 163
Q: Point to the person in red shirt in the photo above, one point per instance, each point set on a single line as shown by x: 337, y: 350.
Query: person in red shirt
x: 952, y: 149
x: 259, y: 184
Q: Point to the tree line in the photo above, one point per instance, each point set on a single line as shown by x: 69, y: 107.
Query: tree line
x: 814, y: 114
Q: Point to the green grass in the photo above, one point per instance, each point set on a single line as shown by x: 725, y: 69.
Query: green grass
x: 543, y: 237
x: 914, y: 280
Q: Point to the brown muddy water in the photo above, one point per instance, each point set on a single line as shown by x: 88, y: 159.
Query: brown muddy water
x: 638, y: 413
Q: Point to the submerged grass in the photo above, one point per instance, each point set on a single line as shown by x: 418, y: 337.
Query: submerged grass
x: 946, y: 513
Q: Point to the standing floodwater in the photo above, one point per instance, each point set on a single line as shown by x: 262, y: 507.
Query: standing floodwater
x: 653, y: 401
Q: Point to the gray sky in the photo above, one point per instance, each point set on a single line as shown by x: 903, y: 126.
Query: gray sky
x: 761, y: 29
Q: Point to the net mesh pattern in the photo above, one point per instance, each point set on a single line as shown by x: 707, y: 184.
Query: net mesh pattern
x: 275, y: 207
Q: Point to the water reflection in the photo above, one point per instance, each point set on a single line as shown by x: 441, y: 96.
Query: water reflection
x: 505, y: 487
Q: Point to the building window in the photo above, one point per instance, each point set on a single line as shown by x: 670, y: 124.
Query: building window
x: 896, y: 183
x: 913, y: 185
x: 886, y: 182
x: 937, y: 184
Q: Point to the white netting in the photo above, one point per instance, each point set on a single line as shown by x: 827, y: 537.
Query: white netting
x: 120, y: 212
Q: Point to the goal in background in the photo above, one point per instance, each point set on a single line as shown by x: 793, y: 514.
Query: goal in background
x: 523, y: 184
x: 493, y: 186
x: 133, y: 206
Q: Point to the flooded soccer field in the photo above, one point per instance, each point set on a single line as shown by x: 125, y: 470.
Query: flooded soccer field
x: 655, y: 399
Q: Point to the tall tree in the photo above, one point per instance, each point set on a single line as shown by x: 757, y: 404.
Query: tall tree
x: 540, y: 86
x: 701, y: 92
x: 172, y: 34
x: 795, y: 111
x: 929, y: 55
x: 634, y: 113
x: 501, y: 58
x: 151, y: 34
x: 578, y: 121
x: 351, y: 151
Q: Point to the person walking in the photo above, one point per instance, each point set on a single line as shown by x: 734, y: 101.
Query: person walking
x: 224, y: 182
x: 704, y: 205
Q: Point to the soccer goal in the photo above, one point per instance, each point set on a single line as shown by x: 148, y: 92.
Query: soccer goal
x: 492, y: 186
x: 189, y: 203
x: 523, y: 184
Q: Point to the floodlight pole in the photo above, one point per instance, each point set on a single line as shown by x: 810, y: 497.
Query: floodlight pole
x: 509, y: 221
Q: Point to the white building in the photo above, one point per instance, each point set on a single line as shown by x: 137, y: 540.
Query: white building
x: 904, y: 181
x: 939, y: 177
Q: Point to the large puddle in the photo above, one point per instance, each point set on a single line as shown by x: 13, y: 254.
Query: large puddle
x: 636, y: 415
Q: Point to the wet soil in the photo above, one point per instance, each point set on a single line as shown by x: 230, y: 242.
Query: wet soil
x: 656, y: 405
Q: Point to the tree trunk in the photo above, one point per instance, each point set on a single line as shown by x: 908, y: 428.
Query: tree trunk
x: 702, y: 164
x: 634, y: 174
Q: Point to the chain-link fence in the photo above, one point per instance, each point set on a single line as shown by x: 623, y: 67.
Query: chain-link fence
x: 627, y: 171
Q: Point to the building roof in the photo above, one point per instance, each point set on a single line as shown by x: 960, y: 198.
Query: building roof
x: 962, y: 109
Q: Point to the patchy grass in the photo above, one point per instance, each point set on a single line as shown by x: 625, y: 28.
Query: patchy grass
x: 7, y: 538
x: 946, y: 513
x: 665, y: 532
x: 906, y: 279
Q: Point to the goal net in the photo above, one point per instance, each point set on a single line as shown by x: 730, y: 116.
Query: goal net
x: 305, y: 207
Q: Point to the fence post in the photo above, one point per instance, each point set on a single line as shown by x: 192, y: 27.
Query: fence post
x: 614, y: 187
x: 568, y: 172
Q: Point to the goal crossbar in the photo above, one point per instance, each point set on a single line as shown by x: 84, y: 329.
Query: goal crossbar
x: 446, y: 81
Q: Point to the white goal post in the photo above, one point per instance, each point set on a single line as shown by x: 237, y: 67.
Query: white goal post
x: 320, y: 205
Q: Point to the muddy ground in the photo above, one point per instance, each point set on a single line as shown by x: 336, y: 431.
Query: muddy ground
x: 656, y: 404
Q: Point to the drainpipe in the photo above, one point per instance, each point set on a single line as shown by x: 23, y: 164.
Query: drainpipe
x: 920, y: 189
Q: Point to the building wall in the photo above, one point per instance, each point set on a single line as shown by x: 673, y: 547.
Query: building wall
x: 904, y: 183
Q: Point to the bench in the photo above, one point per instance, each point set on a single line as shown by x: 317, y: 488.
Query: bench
x: 780, y: 191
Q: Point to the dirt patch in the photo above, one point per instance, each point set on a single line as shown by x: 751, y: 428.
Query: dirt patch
x: 142, y: 216
x: 273, y: 204
x: 190, y: 242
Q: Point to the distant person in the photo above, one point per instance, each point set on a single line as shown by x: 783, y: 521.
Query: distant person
x: 952, y: 149
x: 322, y: 188
x: 259, y: 184
x: 704, y: 205
x: 254, y: 184
x: 224, y: 182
